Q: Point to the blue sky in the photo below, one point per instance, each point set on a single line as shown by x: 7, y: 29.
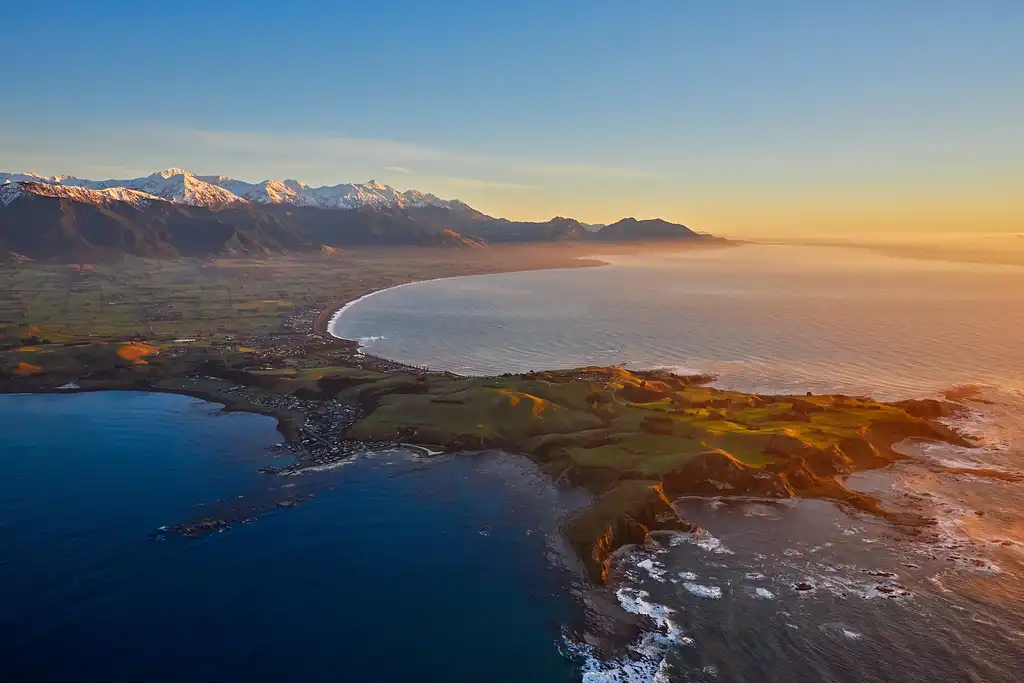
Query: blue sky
x: 736, y: 116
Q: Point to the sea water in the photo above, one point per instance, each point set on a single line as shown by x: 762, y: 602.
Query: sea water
x: 405, y: 571
x: 777, y: 318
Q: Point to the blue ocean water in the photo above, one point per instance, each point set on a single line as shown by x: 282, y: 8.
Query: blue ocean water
x: 405, y: 571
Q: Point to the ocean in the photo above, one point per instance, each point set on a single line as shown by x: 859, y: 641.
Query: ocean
x: 800, y: 590
x: 396, y: 569
x: 764, y: 318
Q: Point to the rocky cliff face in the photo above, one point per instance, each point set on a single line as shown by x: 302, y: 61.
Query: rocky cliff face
x: 631, y: 509
x: 624, y: 515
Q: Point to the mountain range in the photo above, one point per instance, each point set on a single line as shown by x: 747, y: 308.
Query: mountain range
x: 175, y: 213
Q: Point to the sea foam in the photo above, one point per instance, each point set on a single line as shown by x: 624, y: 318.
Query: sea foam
x: 648, y: 663
x: 707, y: 592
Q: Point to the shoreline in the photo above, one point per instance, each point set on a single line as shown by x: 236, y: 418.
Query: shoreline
x: 280, y: 385
x: 625, y: 510
x: 326, y: 318
x: 588, y: 258
x: 287, y: 427
x: 341, y: 311
x: 595, y: 534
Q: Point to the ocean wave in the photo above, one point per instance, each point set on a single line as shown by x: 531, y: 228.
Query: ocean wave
x: 655, y: 569
x: 336, y: 465
x: 700, y: 538
x: 596, y: 670
x: 635, y: 601
x: 647, y: 663
x: 679, y: 370
x: 979, y: 565
x: 991, y: 415
x: 701, y: 591
x: 766, y: 510
x: 844, y: 584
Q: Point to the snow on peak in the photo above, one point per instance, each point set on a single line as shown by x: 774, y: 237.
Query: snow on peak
x: 36, y: 178
x: 170, y: 173
x: 10, y: 191
x: 184, y: 187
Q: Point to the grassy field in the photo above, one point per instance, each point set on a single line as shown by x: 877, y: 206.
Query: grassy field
x: 638, y: 439
x: 652, y: 423
x: 226, y: 299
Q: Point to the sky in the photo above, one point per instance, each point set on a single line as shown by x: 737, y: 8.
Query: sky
x: 738, y: 117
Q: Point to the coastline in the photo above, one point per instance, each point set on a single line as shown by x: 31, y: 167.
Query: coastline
x: 286, y: 425
x: 628, y: 520
x: 342, y: 547
x: 326, y: 318
x: 648, y: 509
x: 569, y: 257
x: 654, y: 511
x: 243, y: 390
x: 326, y: 329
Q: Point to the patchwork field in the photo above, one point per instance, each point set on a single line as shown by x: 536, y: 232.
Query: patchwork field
x: 212, y: 300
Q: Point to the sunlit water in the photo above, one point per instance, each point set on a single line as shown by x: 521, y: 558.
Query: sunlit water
x: 785, y: 319
x: 763, y: 317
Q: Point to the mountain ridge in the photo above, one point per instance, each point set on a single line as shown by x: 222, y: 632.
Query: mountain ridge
x: 185, y: 187
x: 174, y: 213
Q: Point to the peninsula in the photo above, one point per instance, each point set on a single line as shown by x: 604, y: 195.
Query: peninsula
x: 636, y: 439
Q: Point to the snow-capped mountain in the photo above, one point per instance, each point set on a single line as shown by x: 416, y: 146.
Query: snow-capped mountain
x: 178, y: 186
x: 9, y: 191
x: 183, y: 187
x: 175, y: 214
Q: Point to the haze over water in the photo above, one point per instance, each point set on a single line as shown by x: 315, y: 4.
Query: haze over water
x: 778, y: 318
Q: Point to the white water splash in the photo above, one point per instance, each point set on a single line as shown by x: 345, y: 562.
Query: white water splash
x: 655, y: 569
x: 706, y: 592
x: 647, y: 663
x: 700, y: 538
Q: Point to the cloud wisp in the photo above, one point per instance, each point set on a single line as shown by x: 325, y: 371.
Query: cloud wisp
x: 393, y: 155
x: 489, y: 184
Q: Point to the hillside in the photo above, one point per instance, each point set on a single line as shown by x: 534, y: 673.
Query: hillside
x: 631, y: 229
